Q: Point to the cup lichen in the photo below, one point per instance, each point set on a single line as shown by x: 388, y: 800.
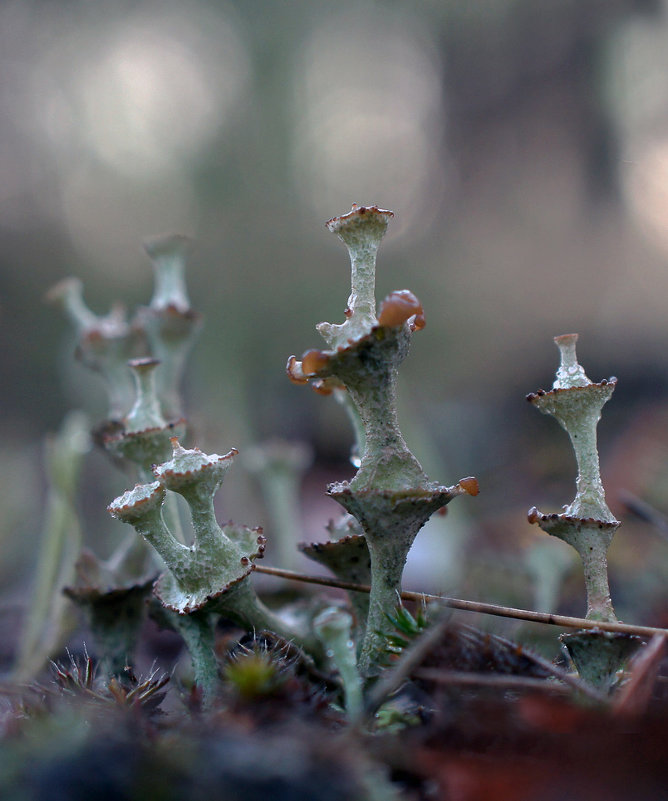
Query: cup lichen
x: 390, y: 495
x: 587, y: 524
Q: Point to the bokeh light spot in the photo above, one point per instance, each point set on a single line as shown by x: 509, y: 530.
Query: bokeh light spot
x: 369, y: 116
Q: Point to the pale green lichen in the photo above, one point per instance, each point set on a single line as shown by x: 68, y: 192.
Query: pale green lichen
x: 170, y: 324
x: 576, y: 403
x: 362, y: 230
x: 210, y: 577
x: 570, y: 373
x: 333, y: 626
x: 44, y: 623
x: 146, y: 411
x: 390, y: 495
x: 103, y: 343
x: 587, y: 524
x: 168, y: 254
x: 215, y: 561
x: 145, y: 436
x: 599, y: 655
x: 279, y: 468
x: 591, y: 539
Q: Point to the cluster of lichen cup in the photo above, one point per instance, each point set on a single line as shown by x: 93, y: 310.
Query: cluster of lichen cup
x: 385, y: 503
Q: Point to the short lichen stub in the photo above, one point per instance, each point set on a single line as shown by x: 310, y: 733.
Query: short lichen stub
x: 390, y: 495
x: 587, y: 524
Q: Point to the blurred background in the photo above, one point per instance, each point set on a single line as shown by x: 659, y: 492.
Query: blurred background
x: 523, y: 146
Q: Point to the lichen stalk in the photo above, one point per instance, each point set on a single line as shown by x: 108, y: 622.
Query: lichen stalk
x: 243, y: 606
x: 593, y: 550
x: 43, y: 624
x: 141, y: 507
x: 362, y: 300
x: 115, y: 618
x: 388, y: 560
x: 171, y: 325
x: 334, y: 628
x: 371, y: 379
x: 590, y: 495
x: 587, y: 524
x: 390, y: 520
x: 198, y: 632
x: 346, y: 554
x: 390, y: 495
x: 212, y: 575
x: 591, y: 539
x: 361, y: 230
x: 145, y: 440
x: 145, y: 436
x: 103, y: 343
x: 168, y: 254
x: 145, y: 412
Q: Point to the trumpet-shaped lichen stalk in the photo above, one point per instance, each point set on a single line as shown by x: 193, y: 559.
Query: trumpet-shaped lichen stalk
x: 199, y: 572
x: 361, y: 230
x: 346, y: 553
x: 170, y: 323
x: 112, y: 593
x: 109, y: 591
x: 145, y: 437
x: 366, y: 353
x: 103, y: 344
x: 390, y: 495
x: 167, y: 325
x: 145, y: 412
x: 43, y: 625
x: 587, y: 524
x: 209, y: 577
x: 115, y: 616
x: 168, y: 254
x: 578, y: 410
